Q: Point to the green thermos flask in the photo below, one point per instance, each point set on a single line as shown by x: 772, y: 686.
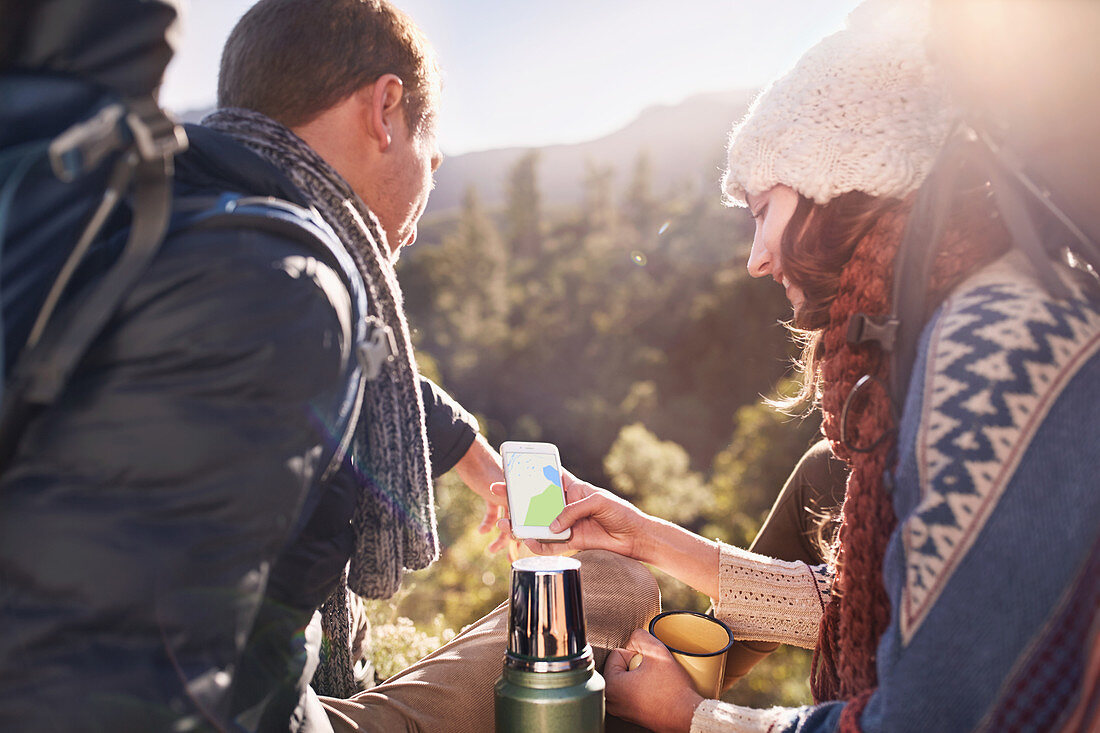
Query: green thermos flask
x: 550, y: 683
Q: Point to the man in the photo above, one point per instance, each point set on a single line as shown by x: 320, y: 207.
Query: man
x: 354, y: 130
x: 171, y: 527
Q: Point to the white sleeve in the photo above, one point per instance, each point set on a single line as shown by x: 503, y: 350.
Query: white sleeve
x: 763, y: 599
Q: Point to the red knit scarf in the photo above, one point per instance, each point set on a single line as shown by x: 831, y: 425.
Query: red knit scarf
x: 844, y: 662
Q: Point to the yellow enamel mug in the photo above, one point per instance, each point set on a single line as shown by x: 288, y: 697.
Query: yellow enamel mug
x: 699, y: 643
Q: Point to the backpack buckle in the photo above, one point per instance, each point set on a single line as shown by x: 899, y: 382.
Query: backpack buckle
x: 85, y: 144
x: 378, y: 349
x: 156, y: 135
x: 882, y: 329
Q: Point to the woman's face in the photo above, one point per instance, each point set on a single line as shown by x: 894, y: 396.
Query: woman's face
x: 772, y: 210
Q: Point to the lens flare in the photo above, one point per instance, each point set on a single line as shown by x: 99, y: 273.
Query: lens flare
x: 638, y: 258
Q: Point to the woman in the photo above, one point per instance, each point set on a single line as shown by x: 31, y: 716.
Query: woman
x: 962, y: 588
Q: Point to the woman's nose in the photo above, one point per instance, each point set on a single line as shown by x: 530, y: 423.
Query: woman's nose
x: 760, y: 260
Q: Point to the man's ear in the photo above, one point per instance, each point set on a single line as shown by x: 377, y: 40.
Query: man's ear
x: 381, y: 102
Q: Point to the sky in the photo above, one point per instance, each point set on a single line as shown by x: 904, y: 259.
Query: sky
x: 540, y: 72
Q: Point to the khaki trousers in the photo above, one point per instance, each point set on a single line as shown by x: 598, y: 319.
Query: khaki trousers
x: 451, y: 689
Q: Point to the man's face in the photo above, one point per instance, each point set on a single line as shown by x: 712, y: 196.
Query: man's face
x: 406, y: 182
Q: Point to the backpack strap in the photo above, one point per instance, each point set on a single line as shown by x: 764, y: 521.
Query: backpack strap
x: 1019, y: 200
x: 15, y: 164
x: 372, y: 340
x: 913, y: 264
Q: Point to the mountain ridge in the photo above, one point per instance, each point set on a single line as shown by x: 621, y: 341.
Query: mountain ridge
x: 685, y: 143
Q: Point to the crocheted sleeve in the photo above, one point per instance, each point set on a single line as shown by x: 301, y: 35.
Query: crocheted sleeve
x: 762, y: 599
x: 712, y: 716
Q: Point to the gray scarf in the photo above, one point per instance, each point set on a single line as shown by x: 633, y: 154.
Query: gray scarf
x: 394, y: 519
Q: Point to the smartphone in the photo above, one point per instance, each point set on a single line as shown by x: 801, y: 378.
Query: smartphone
x: 532, y: 474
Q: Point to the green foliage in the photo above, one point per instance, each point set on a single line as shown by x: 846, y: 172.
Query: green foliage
x: 396, y: 642
x: 781, y: 678
x: 655, y: 475
x: 747, y: 473
x: 466, y: 582
x: 654, y: 295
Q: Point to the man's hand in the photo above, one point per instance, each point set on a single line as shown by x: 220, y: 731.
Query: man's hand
x: 657, y: 693
x: 479, y: 469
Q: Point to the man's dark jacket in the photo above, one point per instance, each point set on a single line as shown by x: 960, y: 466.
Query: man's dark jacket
x: 165, y: 537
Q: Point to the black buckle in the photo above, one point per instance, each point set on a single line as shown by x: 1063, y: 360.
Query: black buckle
x: 157, y: 136
x: 881, y: 329
x: 85, y: 144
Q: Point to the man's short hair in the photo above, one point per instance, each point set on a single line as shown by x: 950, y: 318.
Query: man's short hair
x: 293, y: 59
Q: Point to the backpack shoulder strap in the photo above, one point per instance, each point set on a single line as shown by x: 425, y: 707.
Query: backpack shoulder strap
x: 372, y: 341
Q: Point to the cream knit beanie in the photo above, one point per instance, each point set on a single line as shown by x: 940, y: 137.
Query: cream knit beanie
x: 863, y: 110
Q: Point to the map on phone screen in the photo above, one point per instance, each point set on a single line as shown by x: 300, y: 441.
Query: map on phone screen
x: 534, y: 483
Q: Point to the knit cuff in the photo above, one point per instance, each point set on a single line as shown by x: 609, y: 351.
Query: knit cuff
x: 712, y: 716
x: 763, y: 599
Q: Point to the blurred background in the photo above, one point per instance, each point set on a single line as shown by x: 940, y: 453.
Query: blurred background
x: 576, y: 279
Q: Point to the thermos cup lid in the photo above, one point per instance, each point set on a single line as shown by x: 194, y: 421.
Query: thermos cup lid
x: 546, y: 621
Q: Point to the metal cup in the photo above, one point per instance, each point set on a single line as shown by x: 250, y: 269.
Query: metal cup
x: 546, y: 620
x: 699, y: 643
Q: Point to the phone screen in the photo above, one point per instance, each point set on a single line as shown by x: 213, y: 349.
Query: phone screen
x: 534, y: 488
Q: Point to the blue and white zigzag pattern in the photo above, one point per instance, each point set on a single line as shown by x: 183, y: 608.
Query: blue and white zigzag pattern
x: 1001, y: 354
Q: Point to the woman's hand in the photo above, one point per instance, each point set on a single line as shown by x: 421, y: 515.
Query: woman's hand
x: 602, y: 521
x: 599, y: 521
x: 657, y: 693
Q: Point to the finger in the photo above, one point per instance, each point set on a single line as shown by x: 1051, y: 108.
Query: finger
x: 617, y: 662
x: 575, y: 489
x: 499, y: 543
x: 499, y: 496
x: 574, y: 543
x: 492, y: 513
x: 488, y: 521
x: 576, y: 511
x: 647, y: 644
x: 544, y: 548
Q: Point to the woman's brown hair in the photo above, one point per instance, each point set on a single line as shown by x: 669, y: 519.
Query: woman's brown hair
x: 816, y: 245
x: 819, y: 241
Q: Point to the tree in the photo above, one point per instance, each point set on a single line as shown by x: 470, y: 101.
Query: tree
x: 640, y: 206
x: 459, y: 293
x: 478, y: 275
x: 524, y: 207
x: 656, y: 475
x: 598, y: 210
